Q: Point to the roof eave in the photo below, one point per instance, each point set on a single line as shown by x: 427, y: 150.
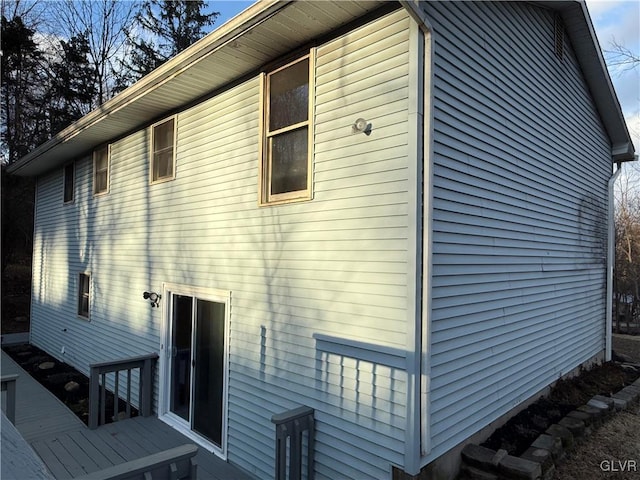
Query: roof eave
x: 226, y: 33
x: 585, y: 44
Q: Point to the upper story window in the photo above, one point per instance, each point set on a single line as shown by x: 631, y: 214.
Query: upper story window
x: 69, y: 182
x: 163, y: 152
x: 286, y: 137
x: 101, y: 160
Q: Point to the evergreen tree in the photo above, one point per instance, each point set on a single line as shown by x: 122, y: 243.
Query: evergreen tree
x: 167, y: 27
x: 23, y: 74
x: 73, y: 87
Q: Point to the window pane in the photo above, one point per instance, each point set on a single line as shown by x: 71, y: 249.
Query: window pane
x: 289, y: 161
x: 101, y: 181
x: 163, y: 135
x: 83, y: 295
x: 289, y: 96
x: 163, y: 164
x: 101, y: 159
x: 68, y: 183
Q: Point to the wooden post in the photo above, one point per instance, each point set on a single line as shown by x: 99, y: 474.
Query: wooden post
x: 98, y: 385
x: 146, y: 390
x: 293, y: 424
x: 94, y: 398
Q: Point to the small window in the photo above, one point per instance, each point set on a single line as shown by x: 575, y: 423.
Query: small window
x: 286, y: 154
x: 101, y: 170
x: 69, y: 182
x: 163, y: 151
x: 84, y: 281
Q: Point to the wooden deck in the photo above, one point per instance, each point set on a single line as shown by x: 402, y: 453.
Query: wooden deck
x: 69, y: 449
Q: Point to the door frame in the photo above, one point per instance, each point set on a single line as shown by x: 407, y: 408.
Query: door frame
x: 164, y: 382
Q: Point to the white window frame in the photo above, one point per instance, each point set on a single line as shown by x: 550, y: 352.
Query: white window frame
x: 264, y: 167
x: 164, y: 395
x: 152, y: 152
x: 81, y: 294
x: 108, y: 170
x: 71, y: 165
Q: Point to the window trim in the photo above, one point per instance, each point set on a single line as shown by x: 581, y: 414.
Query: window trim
x: 152, y: 152
x: 72, y: 167
x: 81, y: 295
x: 108, y: 169
x: 265, y: 165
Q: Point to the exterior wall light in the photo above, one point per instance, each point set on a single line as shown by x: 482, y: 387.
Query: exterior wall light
x: 361, y: 126
x: 154, y: 298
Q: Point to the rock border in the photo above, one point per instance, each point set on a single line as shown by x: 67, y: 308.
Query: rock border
x: 549, y: 449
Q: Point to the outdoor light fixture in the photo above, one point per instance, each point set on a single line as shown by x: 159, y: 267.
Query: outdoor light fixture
x: 154, y: 298
x: 361, y: 126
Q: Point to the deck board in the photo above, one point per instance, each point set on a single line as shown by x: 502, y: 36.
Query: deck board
x: 69, y: 449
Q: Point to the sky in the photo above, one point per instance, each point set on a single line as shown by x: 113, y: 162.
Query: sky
x: 619, y: 21
x: 613, y: 20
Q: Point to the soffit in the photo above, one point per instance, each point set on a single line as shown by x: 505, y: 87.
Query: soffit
x: 261, y: 34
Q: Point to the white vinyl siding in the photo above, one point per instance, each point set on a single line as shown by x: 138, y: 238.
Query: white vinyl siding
x: 520, y: 197
x: 334, y: 268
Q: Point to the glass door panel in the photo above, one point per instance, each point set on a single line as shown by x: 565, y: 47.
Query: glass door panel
x: 209, y: 370
x: 181, y: 331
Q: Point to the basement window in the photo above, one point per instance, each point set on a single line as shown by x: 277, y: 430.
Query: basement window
x: 285, y: 173
x: 84, y: 282
x: 163, y: 152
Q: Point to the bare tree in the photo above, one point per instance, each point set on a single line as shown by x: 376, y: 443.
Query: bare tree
x: 104, y: 23
x: 620, y: 59
x: 627, y: 256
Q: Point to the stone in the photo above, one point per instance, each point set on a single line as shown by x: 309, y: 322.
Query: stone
x: 563, y: 433
x: 46, y: 365
x: 519, y: 468
x: 550, y: 443
x: 575, y: 426
x: 632, y: 391
x: 541, y: 456
x: 72, y: 386
x: 479, y: 457
x: 629, y: 367
x: 603, y: 407
x: 607, y: 400
x: 585, y: 417
x: 595, y: 413
x: 620, y: 403
x: 497, y: 458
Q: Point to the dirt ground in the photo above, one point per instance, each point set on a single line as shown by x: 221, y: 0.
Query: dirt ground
x: 517, y: 435
x: 613, y: 451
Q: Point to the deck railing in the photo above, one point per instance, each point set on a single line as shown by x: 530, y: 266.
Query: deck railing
x: 97, y: 387
x: 176, y: 463
x: 8, y: 383
x: 292, y: 425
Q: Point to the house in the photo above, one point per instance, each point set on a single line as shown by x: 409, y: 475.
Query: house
x: 393, y: 213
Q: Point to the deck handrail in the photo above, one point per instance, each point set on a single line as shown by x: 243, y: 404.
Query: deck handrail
x: 173, y: 464
x: 8, y: 384
x: 97, y: 388
x: 293, y: 424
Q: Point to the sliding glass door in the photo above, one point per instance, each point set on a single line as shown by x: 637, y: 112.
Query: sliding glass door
x: 197, y: 367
